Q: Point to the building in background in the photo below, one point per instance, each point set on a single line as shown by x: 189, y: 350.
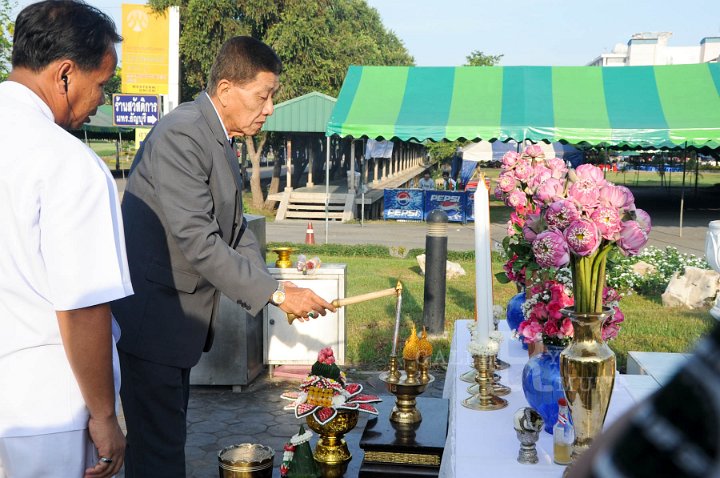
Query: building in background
x: 651, y: 48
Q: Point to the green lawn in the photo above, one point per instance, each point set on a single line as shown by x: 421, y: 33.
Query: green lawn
x: 369, y: 326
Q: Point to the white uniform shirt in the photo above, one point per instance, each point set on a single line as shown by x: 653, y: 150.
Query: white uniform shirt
x: 61, y: 247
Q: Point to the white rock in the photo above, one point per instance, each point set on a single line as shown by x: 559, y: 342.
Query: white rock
x: 452, y: 269
x: 694, y: 289
x: 642, y: 268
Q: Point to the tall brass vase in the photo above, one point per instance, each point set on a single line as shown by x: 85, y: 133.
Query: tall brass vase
x: 587, y: 367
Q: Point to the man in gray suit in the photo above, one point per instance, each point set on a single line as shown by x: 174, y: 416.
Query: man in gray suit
x: 186, y: 242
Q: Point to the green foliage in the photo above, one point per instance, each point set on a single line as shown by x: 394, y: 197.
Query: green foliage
x: 666, y: 262
x: 114, y: 85
x: 478, y: 58
x: 6, y: 33
x: 316, y: 39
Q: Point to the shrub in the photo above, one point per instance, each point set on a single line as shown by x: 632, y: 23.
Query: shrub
x: 666, y: 261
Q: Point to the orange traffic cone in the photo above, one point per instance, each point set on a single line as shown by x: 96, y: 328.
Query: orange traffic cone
x: 309, y: 234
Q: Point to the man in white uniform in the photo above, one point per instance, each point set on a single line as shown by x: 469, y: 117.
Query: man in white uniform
x: 62, y: 253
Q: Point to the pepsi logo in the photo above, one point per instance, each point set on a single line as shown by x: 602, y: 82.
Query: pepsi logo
x: 403, y: 198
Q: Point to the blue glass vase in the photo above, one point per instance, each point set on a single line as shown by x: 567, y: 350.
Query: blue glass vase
x: 514, y: 310
x: 542, y: 384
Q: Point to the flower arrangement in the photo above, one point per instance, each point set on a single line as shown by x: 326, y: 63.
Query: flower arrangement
x: 580, y: 224
x: 308, y: 266
x: 525, y: 184
x: 544, y: 321
x: 326, y: 390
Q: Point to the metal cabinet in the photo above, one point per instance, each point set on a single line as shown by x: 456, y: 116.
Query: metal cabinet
x: 299, y: 343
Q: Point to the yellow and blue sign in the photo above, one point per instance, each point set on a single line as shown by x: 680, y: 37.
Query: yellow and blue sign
x: 145, y: 50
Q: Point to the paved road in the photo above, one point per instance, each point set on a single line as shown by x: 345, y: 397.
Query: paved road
x: 663, y: 207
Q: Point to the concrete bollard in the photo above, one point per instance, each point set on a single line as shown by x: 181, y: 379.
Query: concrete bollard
x: 435, y: 264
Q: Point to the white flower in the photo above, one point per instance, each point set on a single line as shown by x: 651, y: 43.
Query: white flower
x: 491, y: 347
x: 472, y: 325
x: 338, y: 400
x: 498, y: 312
x: 298, y: 439
x: 496, y: 336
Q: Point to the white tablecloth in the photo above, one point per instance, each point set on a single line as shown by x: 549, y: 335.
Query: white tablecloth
x: 484, y: 443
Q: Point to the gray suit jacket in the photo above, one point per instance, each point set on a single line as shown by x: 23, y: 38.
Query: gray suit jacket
x: 186, y: 239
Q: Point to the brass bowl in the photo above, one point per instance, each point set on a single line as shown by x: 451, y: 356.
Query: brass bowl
x: 283, y: 261
x: 331, y: 451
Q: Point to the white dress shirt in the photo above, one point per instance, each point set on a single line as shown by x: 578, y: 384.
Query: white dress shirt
x: 61, y: 248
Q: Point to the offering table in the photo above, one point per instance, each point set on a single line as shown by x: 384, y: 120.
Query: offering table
x: 484, y: 443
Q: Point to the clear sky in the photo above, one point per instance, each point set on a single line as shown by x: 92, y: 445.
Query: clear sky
x: 527, y: 32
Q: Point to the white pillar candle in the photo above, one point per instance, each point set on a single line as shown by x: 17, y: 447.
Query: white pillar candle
x: 483, y: 269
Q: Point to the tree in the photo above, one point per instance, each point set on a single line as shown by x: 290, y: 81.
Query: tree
x: 478, y: 58
x: 6, y: 33
x: 114, y: 85
x: 316, y: 40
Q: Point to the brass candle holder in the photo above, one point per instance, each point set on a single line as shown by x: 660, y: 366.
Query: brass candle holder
x: 283, y: 261
x: 499, y: 389
x: 485, y: 399
x: 406, y: 389
x: 424, y: 367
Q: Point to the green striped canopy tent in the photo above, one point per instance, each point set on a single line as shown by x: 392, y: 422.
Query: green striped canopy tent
x: 634, y: 106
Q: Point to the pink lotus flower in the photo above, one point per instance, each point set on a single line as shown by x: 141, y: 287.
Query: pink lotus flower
x: 522, y: 170
x: 549, y: 191
x: 550, y: 249
x: 557, y: 166
x: 583, y: 237
x: 629, y: 198
x: 509, y: 159
x: 534, y: 151
x: 540, y: 174
x: 643, y: 220
x: 613, y: 196
x: 585, y: 192
x: 607, y: 220
x: 561, y: 213
x: 507, y: 182
x: 532, y: 226
x: 632, y: 238
x: 590, y: 173
x: 516, y: 198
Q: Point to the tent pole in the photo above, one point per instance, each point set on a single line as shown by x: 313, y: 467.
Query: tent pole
x: 327, y: 189
x: 682, y: 189
x: 363, y: 179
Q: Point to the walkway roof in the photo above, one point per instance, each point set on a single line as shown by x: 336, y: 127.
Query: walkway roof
x: 305, y: 114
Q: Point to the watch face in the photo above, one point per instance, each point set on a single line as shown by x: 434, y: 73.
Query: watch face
x: 278, y: 297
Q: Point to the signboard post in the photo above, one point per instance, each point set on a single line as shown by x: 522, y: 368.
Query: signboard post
x: 135, y: 110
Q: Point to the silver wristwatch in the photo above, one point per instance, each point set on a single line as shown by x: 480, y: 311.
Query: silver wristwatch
x: 278, y: 297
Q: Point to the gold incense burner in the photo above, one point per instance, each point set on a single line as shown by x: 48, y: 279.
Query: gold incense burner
x: 283, y: 261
